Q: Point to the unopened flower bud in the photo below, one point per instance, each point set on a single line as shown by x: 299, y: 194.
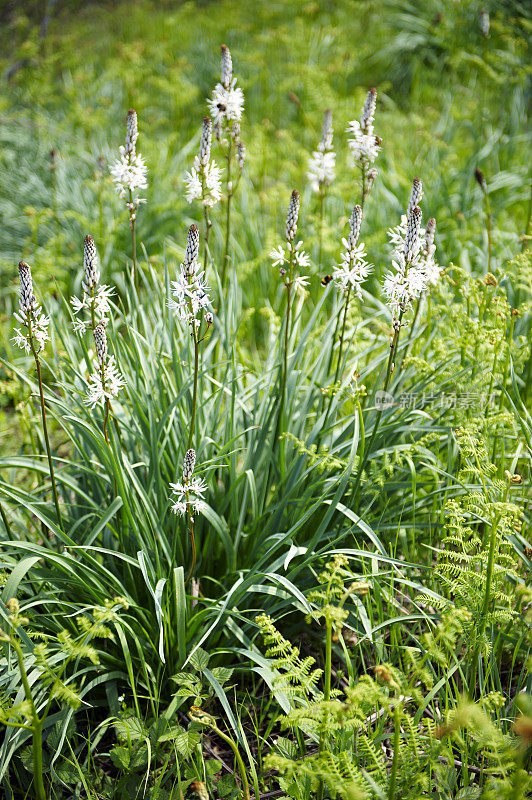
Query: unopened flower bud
x: 355, y: 221
x: 368, y: 112
x: 190, y: 462
x: 227, y: 67
x: 205, y: 143
x: 27, y: 298
x: 100, y: 338
x: 430, y: 230
x: 209, y: 318
x: 132, y: 131
x: 415, y: 195
x: 481, y: 180
x: 191, y: 253
x: 90, y: 262
x: 412, y: 234
x: 292, y: 216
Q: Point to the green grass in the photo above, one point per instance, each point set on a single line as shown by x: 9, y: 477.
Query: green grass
x: 419, y: 502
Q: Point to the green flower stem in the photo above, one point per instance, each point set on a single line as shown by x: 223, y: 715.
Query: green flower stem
x: 284, y: 372
x: 320, y: 225
x: 194, y: 390
x: 193, y: 543
x: 44, y: 424
x: 342, y: 333
x: 340, y: 349
x: 389, y: 369
x: 208, y: 226
x: 363, y: 185
x: 225, y: 257
x: 132, y: 224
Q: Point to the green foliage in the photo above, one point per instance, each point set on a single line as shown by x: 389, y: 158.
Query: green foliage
x: 401, y: 534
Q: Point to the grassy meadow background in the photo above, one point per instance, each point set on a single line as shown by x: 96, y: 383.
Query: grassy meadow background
x: 344, y: 497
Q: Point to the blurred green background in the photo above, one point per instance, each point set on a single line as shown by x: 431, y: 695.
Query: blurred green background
x: 449, y: 99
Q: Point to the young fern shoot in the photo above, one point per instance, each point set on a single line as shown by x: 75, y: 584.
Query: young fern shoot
x: 226, y: 105
x: 129, y: 174
x: 31, y: 338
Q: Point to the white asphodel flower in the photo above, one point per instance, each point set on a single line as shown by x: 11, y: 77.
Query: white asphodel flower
x: 30, y: 315
x: 130, y: 170
x: 96, y: 298
x: 96, y: 391
x: 414, y: 268
x: 129, y: 174
x: 203, y: 182
x: 300, y: 282
x: 189, y: 493
x: 190, y: 293
x: 354, y: 269
x: 226, y: 104
x: 363, y: 143
x: 281, y: 255
x: 364, y: 147
x: 321, y: 167
x: 102, y: 295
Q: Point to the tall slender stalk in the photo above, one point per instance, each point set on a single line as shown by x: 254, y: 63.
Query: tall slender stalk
x: 389, y: 369
x: 194, y: 389
x: 348, y: 277
x: 129, y: 175
x: 321, y: 202
x: 193, y: 545
x: 229, y: 189
x: 208, y: 226
x: 132, y: 227
x: 47, y: 438
x: 342, y: 333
